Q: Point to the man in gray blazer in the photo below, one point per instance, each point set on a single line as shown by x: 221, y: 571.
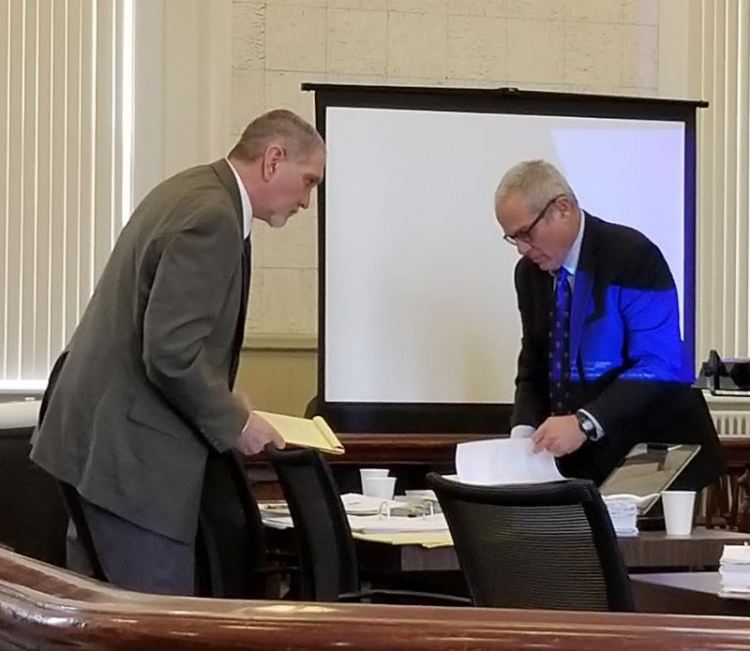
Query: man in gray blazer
x: 145, y: 390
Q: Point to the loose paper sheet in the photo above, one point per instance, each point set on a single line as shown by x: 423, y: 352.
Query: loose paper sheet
x: 504, y: 461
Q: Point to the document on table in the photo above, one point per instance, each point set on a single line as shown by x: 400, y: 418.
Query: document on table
x: 356, y: 504
x: 504, y: 461
x: 384, y: 525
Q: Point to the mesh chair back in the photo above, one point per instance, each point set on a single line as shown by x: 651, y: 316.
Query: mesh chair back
x: 328, y: 559
x: 548, y: 546
x: 231, y: 547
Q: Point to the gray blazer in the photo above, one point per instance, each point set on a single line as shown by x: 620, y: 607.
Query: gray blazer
x: 145, y: 390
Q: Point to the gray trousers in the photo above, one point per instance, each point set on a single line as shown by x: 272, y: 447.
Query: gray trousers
x: 133, y: 558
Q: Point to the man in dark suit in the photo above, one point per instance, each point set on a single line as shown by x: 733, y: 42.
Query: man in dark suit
x: 145, y: 391
x: 602, y: 364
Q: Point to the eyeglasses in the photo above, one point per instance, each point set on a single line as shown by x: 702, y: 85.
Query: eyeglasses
x: 525, y: 234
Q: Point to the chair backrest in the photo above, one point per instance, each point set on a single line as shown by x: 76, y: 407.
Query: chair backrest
x: 231, y: 547
x: 75, y: 511
x: 328, y: 559
x: 549, y: 546
x: 33, y: 520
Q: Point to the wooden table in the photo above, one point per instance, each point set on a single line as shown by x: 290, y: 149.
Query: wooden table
x: 686, y: 593
x: 650, y: 549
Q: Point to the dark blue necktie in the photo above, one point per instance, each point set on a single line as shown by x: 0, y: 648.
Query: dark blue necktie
x: 239, y: 334
x: 559, y: 345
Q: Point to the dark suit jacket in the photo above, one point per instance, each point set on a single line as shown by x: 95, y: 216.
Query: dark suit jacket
x: 629, y: 367
x: 145, y: 391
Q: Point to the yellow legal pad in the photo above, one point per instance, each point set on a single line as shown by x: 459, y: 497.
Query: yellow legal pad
x: 306, y: 432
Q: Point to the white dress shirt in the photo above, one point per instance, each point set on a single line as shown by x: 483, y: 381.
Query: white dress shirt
x: 247, y: 207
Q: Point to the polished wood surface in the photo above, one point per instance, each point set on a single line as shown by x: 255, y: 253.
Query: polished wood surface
x: 693, y: 593
x: 44, y: 608
x: 404, y: 448
x: 736, y: 450
x: 703, y: 548
x: 650, y: 549
x: 396, y: 449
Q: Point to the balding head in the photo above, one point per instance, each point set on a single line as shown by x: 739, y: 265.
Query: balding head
x: 279, y: 127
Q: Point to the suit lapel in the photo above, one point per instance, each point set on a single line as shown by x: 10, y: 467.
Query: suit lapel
x: 239, y: 334
x: 583, y: 288
x: 228, y: 180
x: 226, y: 176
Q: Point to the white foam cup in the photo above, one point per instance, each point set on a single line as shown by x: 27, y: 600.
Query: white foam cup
x: 382, y: 487
x: 678, y: 512
x: 364, y: 473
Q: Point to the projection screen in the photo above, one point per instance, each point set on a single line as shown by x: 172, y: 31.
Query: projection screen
x: 417, y: 300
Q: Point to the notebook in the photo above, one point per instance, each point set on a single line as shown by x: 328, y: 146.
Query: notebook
x: 305, y: 432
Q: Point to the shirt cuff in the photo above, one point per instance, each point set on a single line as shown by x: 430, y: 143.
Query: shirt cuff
x: 522, y: 431
x: 599, y: 428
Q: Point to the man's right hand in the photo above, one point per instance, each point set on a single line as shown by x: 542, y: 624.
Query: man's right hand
x: 256, y: 434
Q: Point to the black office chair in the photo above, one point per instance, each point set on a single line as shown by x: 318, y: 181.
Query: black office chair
x: 329, y: 569
x: 232, y: 560
x: 70, y: 497
x: 32, y: 514
x: 548, y: 546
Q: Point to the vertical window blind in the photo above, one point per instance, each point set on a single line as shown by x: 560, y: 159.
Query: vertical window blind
x: 724, y: 180
x: 65, y: 103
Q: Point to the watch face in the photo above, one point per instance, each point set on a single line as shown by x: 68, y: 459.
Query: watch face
x: 587, y: 427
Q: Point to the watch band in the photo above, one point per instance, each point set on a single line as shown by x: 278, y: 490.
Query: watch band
x: 587, y: 426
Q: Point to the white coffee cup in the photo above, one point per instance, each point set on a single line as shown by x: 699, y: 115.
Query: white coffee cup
x: 364, y: 473
x: 382, y: 487
x: 678, y: 512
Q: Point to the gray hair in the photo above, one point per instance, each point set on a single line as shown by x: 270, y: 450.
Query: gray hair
x: 298, y: 136
x: 537, y: 180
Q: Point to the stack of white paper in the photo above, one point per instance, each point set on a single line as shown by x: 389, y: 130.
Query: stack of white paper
x: 734, y: 570
x: 504, y: 461
x: 623, y: 512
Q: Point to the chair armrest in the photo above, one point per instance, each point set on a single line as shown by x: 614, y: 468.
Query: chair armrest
x: 405, y: 597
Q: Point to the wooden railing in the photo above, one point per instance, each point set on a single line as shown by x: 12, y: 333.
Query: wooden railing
x: 45, y: 608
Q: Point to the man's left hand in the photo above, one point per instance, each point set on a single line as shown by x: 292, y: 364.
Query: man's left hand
x: 559, y: 435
